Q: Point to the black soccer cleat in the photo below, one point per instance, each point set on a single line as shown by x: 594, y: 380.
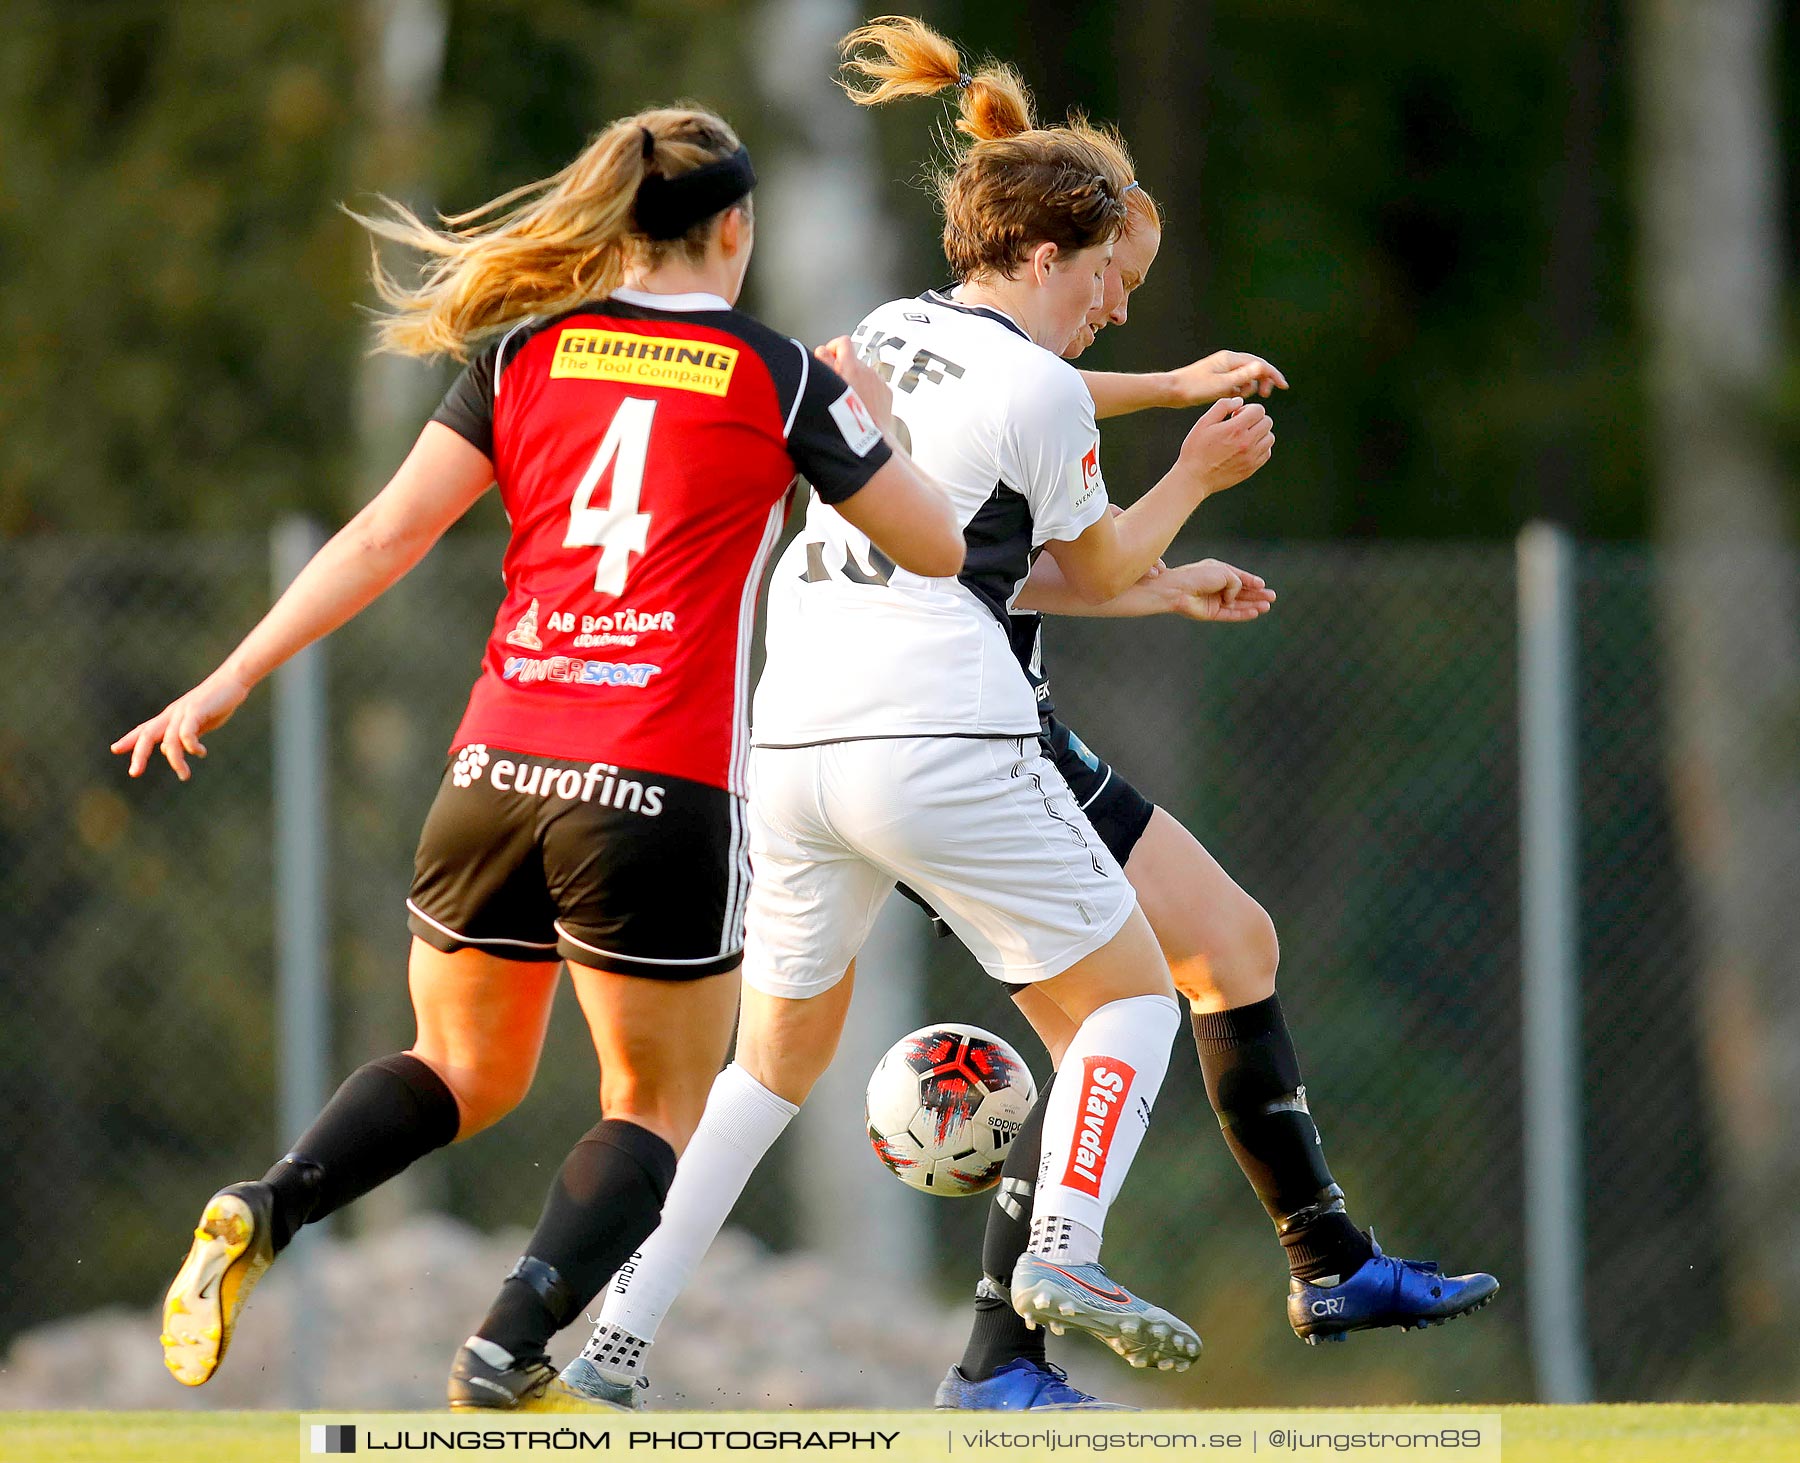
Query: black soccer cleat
x: 486, y: 1377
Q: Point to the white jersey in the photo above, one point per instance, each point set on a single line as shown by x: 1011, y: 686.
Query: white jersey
x: 858, y: 647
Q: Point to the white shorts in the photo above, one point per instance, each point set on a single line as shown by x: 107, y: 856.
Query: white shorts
x: 985, y: 829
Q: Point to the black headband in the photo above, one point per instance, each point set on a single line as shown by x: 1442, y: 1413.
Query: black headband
x: 667, y: 208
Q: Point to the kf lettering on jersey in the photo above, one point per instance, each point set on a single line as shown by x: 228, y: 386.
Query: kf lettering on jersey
x: 618, y: 530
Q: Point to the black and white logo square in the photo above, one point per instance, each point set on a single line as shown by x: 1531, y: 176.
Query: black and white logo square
x: 330, y: 1437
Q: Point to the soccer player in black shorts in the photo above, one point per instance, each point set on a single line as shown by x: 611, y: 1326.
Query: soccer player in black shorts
x: 644, y: 436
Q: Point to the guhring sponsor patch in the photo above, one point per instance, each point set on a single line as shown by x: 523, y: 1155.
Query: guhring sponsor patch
x: 1105, y: 1083
x: 645, y: 360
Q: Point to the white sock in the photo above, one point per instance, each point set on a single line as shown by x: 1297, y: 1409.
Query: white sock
x: 1067, y: 1240
x: 742, y: 1121
x: 1106, y: 1085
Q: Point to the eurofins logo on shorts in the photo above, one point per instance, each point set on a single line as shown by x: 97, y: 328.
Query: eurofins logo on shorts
x: 617, y: 355
x: 570, y: 670
x: 601, y: 784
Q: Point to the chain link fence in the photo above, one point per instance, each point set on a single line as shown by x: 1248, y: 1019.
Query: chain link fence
x: 1352, y: 760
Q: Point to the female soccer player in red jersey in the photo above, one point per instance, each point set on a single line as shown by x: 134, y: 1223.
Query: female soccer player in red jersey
x: 643, y: 435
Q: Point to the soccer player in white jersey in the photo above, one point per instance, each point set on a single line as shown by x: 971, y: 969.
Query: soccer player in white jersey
x: 1219, y: 942
x: 896, y: 736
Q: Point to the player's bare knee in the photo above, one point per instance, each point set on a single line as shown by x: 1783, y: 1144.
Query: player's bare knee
x: 1259, y: 952
x: 482, y: 1098
x: 789, y: 1073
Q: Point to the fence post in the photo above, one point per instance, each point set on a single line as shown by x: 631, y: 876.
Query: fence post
x: 302, y: 1033
x: 1549, y: 889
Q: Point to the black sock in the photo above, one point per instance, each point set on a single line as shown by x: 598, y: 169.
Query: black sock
x: 386, y: 1116
x: 603, y: 1205
x: 998, y: 1335
x: 1253, y: 1081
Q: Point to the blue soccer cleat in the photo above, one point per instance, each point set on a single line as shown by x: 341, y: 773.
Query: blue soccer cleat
x: 1086, y: 1298
x: 1386, y: 1291
x: 1022, y: 1385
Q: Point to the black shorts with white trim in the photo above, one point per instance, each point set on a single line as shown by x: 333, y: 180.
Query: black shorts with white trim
x: 540, y: 858
x: 1118, y: 811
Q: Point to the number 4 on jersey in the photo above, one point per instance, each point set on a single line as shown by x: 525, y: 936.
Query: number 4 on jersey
x: 619, y: 530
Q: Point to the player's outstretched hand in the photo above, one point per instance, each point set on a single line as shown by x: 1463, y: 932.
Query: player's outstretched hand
x: 1229, y: 443
x: 178, y: 727
x: 841, y: 356
x: 1213, y: 590
x: 1226, y: 373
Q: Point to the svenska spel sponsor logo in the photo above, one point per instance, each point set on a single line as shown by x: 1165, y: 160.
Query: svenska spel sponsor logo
x: 1088, y: 480
x: 856, y: 423
x: 1104, y: 1083
x: 618, y: 355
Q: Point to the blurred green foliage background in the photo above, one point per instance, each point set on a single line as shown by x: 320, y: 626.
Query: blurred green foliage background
x: 1429, y: 216
x: 1424, y: 214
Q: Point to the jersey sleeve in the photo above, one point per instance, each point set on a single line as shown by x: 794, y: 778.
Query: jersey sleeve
x: 1050, y: 451
x: 832, y: 436
x: 468, y: 406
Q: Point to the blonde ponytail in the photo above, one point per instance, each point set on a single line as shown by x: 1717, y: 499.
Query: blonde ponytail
x: 904, y: 57
x: 1015, y: 185
x: 544, y: 247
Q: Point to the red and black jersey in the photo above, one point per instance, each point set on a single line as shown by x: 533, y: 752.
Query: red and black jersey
x: 643, y: 446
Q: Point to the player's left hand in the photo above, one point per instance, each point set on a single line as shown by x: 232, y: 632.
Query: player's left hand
x: 1213, y: 590
x: 1225, y: 373
x: 178, y: 727
x: 841, y: 356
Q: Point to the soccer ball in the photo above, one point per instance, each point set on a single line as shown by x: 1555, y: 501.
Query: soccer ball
x: 944, y: 1105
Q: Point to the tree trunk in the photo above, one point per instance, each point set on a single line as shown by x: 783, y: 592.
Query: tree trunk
x: 1730, y: 599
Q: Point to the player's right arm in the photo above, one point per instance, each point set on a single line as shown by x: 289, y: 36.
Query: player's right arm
x: 1052, y: 455
x: 904, y: 512
x: 1222, y: 374
x: 440, y: 481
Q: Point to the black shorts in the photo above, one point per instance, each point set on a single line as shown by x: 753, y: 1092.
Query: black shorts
x: 1118, y: 811
x: 537, y: 858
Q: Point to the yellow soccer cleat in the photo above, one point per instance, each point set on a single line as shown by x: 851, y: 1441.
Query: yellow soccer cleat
x: 232, y: 1247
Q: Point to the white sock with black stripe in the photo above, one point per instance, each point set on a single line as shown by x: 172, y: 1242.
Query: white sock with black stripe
x: 742, y: 1121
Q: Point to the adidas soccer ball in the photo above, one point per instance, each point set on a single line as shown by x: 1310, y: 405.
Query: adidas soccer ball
x: 944, y: 1105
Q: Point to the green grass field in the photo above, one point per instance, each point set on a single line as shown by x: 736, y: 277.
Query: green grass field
x: 1614, y: 1434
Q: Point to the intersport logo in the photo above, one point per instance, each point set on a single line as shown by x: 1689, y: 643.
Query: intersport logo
x: 1105, y: 1081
